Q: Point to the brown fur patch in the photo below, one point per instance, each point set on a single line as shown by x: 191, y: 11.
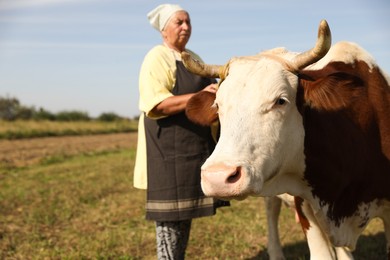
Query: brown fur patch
x: 302, y: 218
x: 346, y: 110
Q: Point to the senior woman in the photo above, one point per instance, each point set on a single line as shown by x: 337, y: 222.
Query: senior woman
x: 175, y: 147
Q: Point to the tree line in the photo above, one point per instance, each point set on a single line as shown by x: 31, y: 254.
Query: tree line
x: 11, y: 109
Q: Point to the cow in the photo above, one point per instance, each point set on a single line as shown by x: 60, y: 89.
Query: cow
x: 315, y: 125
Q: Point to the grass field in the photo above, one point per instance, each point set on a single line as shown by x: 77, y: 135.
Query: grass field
x: 29, y: 129
x: 81, y: 205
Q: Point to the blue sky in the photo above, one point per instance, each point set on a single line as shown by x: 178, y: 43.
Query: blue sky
x: 86, y: 54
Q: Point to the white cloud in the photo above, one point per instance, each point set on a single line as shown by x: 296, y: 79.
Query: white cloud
x: 17, y: 4
x: 31, y: 45
x: 68, y: 19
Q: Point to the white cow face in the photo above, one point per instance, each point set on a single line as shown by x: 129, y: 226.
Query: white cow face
x: 261, y: 131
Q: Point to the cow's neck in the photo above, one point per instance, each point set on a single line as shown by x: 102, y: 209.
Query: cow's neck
x: 292, y: 183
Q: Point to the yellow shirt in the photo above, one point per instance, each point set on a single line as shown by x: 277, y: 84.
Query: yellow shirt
x: 156, y: 80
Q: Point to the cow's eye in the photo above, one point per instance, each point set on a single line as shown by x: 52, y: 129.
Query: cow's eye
x: 281, y: 101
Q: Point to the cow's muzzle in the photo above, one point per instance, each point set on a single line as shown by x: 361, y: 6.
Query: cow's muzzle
x: 222, y: 181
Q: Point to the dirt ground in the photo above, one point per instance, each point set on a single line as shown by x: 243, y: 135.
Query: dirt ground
x: 18, y: 153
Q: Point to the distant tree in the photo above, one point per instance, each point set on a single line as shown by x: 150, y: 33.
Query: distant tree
x: 72, y: 116
x: 25, y: 113
x: 8, y: 108
x: 11, y: 109
x: 43, y: 114
x: 108, y: 117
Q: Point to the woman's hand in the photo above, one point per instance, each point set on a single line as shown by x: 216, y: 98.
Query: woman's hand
x: 211, y: 88
x: 175, y: 104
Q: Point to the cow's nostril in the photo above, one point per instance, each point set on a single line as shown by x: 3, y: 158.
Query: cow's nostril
x: 235, y: 176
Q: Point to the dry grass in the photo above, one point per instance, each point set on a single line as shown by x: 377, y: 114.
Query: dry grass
x: 19, y: 153
x: 29, y: 129
x: 83, y: 206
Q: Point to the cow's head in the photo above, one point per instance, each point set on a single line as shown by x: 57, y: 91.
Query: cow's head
x: 262, y: 135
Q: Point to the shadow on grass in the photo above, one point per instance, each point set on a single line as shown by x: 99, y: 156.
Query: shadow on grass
x: 368, y: 247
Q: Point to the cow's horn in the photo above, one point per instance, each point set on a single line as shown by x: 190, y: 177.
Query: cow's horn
x: 199, y: 68
x: 323, y: 44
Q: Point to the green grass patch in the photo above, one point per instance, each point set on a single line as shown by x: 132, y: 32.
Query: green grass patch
x: 29, y: 129
x: 84, y: 207
x: 78, y: 208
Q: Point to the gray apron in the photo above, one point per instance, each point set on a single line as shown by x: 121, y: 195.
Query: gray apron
x: 176, y: 149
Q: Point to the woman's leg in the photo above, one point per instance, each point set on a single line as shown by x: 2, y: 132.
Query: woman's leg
x: 172, y: 239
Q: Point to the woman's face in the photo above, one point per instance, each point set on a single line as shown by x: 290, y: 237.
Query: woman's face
x: 177, y: 31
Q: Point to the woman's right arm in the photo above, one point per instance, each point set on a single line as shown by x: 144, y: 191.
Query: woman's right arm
x: 176, y: 104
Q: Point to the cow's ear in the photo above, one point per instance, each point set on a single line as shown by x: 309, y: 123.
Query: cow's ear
x: 332, y: 91
x: 201, y: 110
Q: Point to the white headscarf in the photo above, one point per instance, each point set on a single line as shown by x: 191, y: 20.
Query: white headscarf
x: 160, y: 15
